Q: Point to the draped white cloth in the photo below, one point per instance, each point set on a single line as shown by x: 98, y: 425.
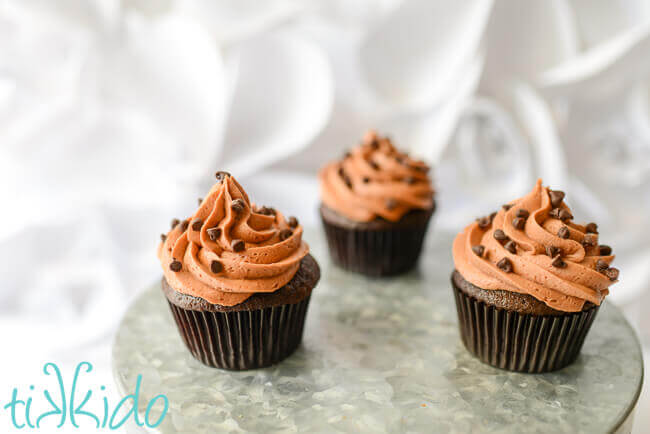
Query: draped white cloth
x: 114, y: 114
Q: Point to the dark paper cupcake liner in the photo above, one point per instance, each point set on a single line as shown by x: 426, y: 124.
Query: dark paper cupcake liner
x: 520, y: 342
x: 376, y: 252
x: 240, y: 340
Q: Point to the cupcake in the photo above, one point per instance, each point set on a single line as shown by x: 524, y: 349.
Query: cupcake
x: 376, y: 206
x: 238, y: 279
x: 528, y: 283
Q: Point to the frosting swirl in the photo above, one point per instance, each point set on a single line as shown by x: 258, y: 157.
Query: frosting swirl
x: 532, y: 247
x: 375, y: 180
x: 229, y: 249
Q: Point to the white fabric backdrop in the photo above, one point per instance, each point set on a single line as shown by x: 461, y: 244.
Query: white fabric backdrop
x: 114, y: 115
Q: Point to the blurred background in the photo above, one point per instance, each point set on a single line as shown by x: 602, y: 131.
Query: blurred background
x: 114, y: 115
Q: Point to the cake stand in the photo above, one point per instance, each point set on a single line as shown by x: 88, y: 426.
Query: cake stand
x: 378, y: 355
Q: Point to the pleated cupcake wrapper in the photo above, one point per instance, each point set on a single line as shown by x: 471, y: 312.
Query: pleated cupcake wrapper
x: 519, y: 342
x: 245, y: 339
x: 376, y: 252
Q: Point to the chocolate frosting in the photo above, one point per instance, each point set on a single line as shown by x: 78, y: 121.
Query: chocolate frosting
x: 256, y: 250
x: 375, y: 180
x: 564, y: 280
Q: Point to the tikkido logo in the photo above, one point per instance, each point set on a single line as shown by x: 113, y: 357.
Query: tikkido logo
x: 55, y: 408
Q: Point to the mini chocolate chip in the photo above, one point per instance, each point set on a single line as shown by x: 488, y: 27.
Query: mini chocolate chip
x: 612, y: 273
x: 410, y: 180
x: 554, y: 213
x: 500, y: 236
x: 511, y: 246
x: 507, y: 206
x: 374, y: 165
x: 266, y: 211
x: 591, y: 228
x: 184, y: 225
x: 400, y: 160
x: 565, y: 215
x: 221, y: 175
x: 590, y: 240
x: 557, y: 197
x: 522, y: 213
x: 391, y: 204
x: 341, y: 172
x: 605, y: 250
x: 366, y: 180
x: 175, y: 223
x: 285, y: 233
x: 293, y: 222
x: 491, y: 216
x: 519, y: 223
x: 214, y: 233
x: 601, y: 266
x: 175, y: 266
x: 347, y: 154
x: 197, y: 224
x: 216, y: 267
x: 238, y: 205
x: 421, y: 169
x: 374, y: 143
x: 505, y: 265
x: 563, y: 232
x: 484, y: 222
x: 347, y: 181
x: 553, y: 251
x: 200, y: 200
x: 479, y: 250
x: 238, y: 245
x: 163, y: 237
x: 558, y: 262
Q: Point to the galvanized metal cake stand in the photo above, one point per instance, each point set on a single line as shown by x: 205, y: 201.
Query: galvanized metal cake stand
x: 379, y: 355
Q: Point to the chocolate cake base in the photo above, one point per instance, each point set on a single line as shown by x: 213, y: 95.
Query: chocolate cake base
x: 516, y: 331
x: 261, y: 331
x: 378, y: 247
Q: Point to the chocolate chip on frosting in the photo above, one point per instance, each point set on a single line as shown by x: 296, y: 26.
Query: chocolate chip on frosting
x: 184, y: 225
x: 590, y: 240
x: 554, y: 213
x: 601, y: 266
x: 238, y: 205
x: 511, y: 246
x: 556, y: 197
x: 563, y: 232
x: 612, y: 273
x: 558, y: 262
x: 553, y: 251
x: 200, y: 200
x: 522, y: 213
x: 175, y: 266
x: 214, y: 233
x: 175, y: 223
x: 221, y: 175
x: 479, y: 250
x: 285, y: 233
x: 347, y: 181
x: 163, y: 237
x: 238, y: 245
x: 505, y: 265
x: 410, y: 180
x: 292, y: 222
x: 565, y: 215
x: 500, y: 236
x: 484, y: 222
x: 374, y: 165
x: 519, y: 223
x: 591, y: 228
x: 266, y: 211
x: 507, y: 206
x: 197, y: 224
x: 605, y: 250
x: 366, y: 180
x: 216, y: 267
x: 391, y: 204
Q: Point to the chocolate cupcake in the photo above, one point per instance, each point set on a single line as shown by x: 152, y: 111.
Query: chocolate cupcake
x: 528, y: 283
x: 376, y: 206
x: 238, y: 280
